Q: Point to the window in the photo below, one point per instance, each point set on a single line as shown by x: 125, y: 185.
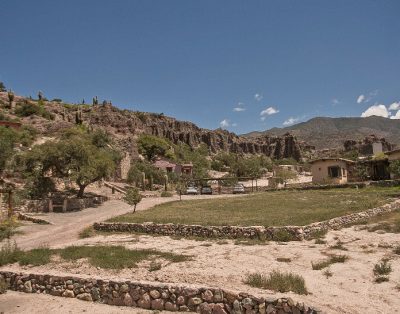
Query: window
x: 334, y: 171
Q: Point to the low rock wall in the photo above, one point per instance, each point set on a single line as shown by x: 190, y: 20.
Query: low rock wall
x: 152, y: 296
x: 286, y: 233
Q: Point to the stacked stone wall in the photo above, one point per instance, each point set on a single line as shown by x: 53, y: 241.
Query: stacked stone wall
x: 152, y: 296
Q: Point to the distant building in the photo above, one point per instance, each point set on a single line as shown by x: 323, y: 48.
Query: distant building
x: 393, y: 155
x: 331, y: 170
x: 168, y: 166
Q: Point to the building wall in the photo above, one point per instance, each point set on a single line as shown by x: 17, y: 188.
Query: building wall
x: 394, y: 156
x: 320, y: 173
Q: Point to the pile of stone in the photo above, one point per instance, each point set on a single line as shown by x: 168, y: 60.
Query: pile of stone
x: 152, y: 296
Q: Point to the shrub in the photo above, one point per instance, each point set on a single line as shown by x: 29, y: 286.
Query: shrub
x: 154, y: 266
x: 166, y: 194
x: 283, y: 235
x: 396, y: 250
x: 277, y: 281
x: 3, y: 285
x: 383, y: 268
x: 331, y: 260
x: 36, y: 257
x: 29, y: 109
x: 327, y: 273
x: 283, y: 260
x: 87, y: 232
x: 9, y: 253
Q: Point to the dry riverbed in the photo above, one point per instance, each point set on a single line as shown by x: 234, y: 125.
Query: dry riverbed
x: 224, y: 264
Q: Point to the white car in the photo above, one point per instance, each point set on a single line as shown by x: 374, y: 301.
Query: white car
x: 191, y: 190
x: 238, y: 189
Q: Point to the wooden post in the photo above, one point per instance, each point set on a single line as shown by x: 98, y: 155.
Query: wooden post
x: 10, y: 207
x: 256, y: 186
x: 65, y: 203
x: 252, y: 186
x: 50, y: 205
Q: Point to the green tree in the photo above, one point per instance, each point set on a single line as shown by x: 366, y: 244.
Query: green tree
x: 284, y: 175
x: 74, y: 157
x: 133, y: 197
x: 2, y: 87
x: 394, y: 168
x: 152, y: 146
x: 8, y: 138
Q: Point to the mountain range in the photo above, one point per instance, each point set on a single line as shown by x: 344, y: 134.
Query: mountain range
x: 324, y: 132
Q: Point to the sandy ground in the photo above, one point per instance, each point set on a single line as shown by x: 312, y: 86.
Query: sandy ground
x: 225, y: 264
x: 221, y: 264
x: 21, y: 303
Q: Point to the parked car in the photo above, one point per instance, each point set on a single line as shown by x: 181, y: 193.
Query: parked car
x: 206, y: 190
x: 238, y: 188
x: 191, y: 190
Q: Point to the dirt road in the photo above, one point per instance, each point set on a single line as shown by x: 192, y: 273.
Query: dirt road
x: 65, y: 227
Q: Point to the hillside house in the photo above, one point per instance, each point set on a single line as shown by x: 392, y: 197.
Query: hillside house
x: 393, y: 155
x: 331, y: 170
x: 168, y: 166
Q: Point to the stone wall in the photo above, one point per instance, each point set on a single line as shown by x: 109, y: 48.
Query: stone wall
x: 152, y: 296
x: 70, y: 204
x: 285, y: 233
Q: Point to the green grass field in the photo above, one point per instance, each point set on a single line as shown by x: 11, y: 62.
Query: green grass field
x: 268, y: 208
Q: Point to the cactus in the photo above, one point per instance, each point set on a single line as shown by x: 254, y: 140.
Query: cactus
x: 40, y: 95
x: 143, y: 181
x: 78, y: 117
x: 11, y: 96
x: 166, y: 182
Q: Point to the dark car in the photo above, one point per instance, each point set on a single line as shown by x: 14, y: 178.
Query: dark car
x: 206, y: 190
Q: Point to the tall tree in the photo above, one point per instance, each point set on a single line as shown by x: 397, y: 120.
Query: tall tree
x: 74, y: 156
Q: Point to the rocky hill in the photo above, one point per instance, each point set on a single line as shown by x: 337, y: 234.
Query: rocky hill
x: 328, y: 133
x: 127, y: 125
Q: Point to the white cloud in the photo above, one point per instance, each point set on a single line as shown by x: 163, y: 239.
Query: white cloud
x: 360, y: 99
x: 239, y: 107
x: 234, y: 124
x: 335, y: 102
x: 267, y: 112
x: 290, y: 121
x: 376, y: 110
x: 395, y: 106
x: 224, y: 123
x: 258, y: 97
x: 396, y: 116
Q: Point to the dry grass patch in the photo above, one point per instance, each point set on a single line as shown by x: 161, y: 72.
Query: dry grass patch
x: 278, y: 208
x: 333, y: 259
x: 277, y: 281
x: 109, y: 257
x: 284, y: 259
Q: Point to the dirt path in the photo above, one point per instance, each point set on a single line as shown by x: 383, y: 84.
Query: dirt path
x: 65, y: 227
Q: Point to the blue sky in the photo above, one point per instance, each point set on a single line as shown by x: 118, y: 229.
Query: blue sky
x: 276, y: 62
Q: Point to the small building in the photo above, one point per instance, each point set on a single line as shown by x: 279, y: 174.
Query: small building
x: 167, y: 166
x: 393, y: 154
x: 330, y: 170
